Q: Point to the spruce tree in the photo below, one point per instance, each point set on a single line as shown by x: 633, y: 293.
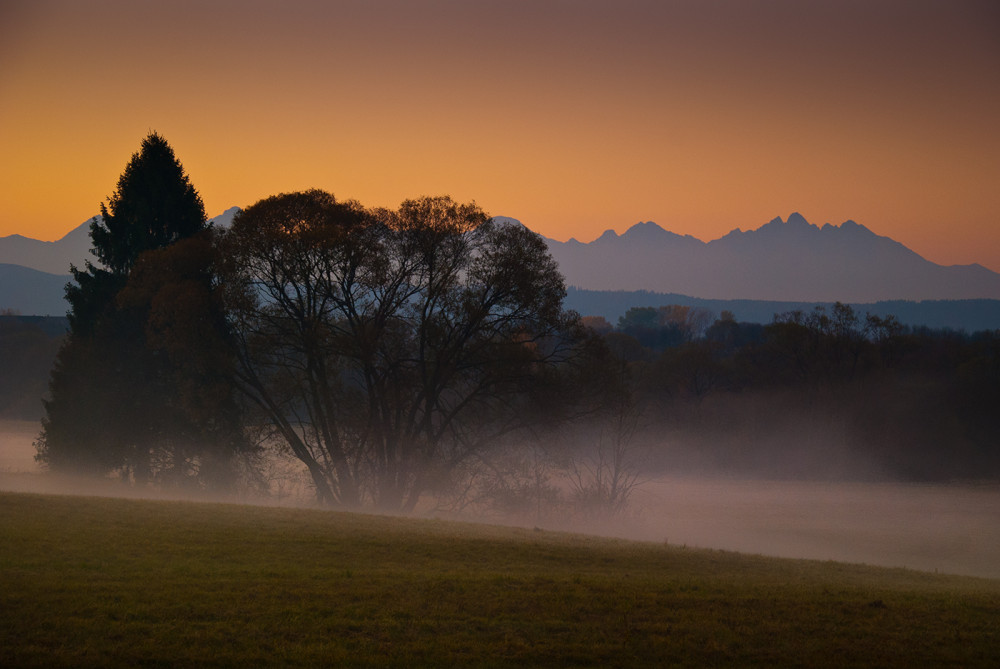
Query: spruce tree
x: 113, y: 403
x: 154, y: 206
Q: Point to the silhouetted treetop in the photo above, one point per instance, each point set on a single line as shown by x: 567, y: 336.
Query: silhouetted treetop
x: 154, y: 205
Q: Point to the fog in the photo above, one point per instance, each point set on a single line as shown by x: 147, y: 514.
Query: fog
x: 948, y: 528
x: 952, y: 528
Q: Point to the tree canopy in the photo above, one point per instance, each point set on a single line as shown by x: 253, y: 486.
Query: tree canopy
x: 385, y: 348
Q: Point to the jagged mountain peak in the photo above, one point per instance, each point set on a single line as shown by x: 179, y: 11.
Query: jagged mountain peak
x: 225, y: 219
x: 847, y: 227
x: 795, y: 224
x: 651, y: 233
x: 79, y: 233
x: 797, y: 219
x: 645, y: 228
x: 781, y: 260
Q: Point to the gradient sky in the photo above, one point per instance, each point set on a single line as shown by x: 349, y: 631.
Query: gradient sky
x: 573, y: 116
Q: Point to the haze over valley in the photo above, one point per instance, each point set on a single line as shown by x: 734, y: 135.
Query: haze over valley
x: 802, y: 470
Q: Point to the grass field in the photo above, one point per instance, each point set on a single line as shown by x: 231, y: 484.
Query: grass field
x: 110, y: 582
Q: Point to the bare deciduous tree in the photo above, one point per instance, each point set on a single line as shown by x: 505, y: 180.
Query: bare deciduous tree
x: 387, y: 348
x: 605, y: 478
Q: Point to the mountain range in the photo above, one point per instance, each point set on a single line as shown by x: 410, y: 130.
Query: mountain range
x: 34, y: 273
x: 790, y: 260
x: 782, y: 261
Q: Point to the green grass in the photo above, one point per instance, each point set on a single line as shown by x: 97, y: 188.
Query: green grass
x: 108, y: 582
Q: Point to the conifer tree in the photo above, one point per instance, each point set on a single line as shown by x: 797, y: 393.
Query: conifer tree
x: 153, y: 206
x: 115, y: 400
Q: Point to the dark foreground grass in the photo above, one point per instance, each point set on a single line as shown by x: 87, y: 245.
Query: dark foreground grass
x: 102, y: 582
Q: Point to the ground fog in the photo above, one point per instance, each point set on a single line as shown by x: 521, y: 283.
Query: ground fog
x: 948, y: 528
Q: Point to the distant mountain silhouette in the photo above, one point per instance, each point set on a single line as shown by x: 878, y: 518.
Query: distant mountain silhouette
x: 32, y: 293
x: 225, y: 219
x: 780, y: 262
x: 51, y: 257
x: 34, y: 274
x: 73, y: 249
x: 789, y: 260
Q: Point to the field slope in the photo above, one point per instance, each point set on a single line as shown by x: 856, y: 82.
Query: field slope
x: 111, y: 582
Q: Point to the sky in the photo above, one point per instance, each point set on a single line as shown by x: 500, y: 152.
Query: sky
x: 573, y: 116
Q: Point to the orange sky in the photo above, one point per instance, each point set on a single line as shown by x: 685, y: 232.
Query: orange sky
x: 573, y: 116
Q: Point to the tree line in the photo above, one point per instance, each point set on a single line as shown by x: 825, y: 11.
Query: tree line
x: 848, y: 389
x: 28, y: 346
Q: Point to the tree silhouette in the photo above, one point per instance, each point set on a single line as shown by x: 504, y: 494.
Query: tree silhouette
x: 386, y: 348
x: 153, y: 206
x: 119, y: 400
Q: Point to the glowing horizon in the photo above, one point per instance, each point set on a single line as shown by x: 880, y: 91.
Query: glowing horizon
x: 572, y: 117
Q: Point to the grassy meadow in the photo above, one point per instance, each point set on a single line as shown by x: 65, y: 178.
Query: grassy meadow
x: 88, y: 582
